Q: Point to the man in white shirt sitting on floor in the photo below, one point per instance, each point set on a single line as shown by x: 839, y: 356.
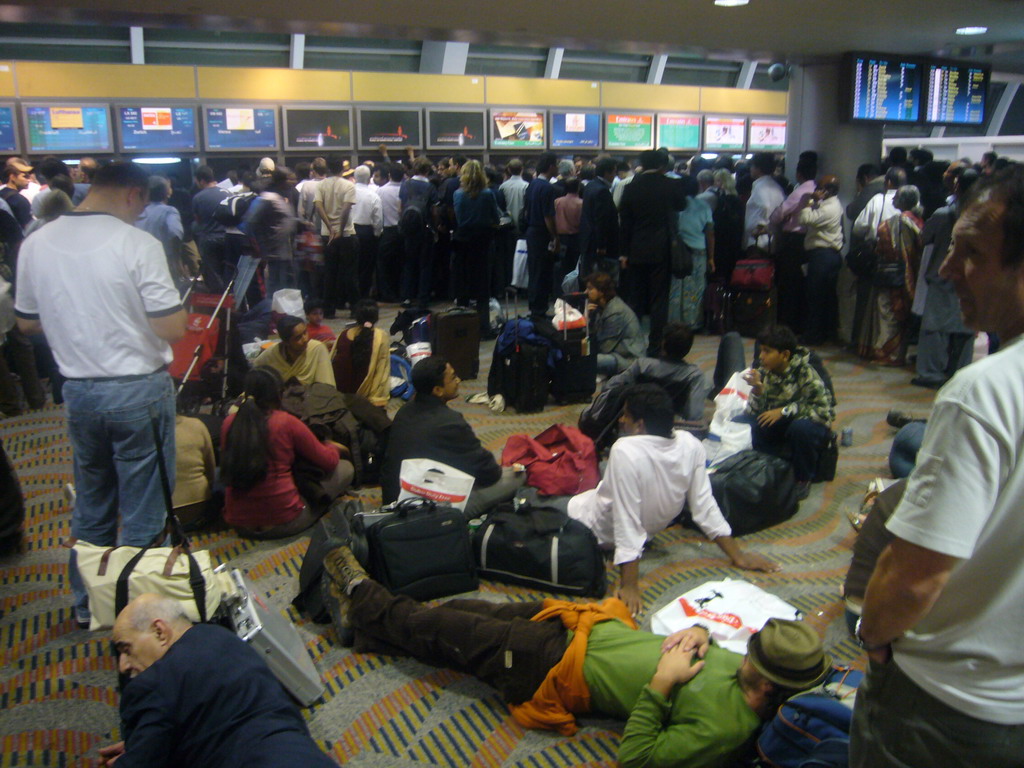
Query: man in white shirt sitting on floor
x: 652, y: 472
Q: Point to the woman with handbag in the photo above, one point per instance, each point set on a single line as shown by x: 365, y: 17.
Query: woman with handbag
x: 898, y: 248
x: 477, y: 216
x: 262, y: 448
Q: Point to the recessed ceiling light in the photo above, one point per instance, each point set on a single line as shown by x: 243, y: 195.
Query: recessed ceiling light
x: 971, y: 30
x: 731, y: 3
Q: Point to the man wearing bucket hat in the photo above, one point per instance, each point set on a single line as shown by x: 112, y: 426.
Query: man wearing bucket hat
x: 687, y: 702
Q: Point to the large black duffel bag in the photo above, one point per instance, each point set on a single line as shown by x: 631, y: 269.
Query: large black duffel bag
x: 417, y: 548
x: 540, y: 547
x: 754, y: 490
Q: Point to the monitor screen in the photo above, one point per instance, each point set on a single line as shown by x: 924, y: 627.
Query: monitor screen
x: 456, y: 129
x: 956, y: 94
x: 679, y: 132
x: 144, y: 129
x: 393, y: 127
x: 885, y: 88
x: 8, y: 130
x: 316, y: 129
x: 767, y: 135
x: 237, y: 128
x: 69, y: 128
x: 575, y: 130
x: 628, y: 131
x: 523, y: 128
x: 724, y: 133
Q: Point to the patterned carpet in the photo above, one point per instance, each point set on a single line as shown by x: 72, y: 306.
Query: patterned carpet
x: 57, y: 683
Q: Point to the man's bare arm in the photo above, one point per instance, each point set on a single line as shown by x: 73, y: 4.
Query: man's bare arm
x: 29, y: 327
x: 170, y: 328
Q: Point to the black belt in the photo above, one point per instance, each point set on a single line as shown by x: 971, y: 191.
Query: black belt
x: 132, y: 377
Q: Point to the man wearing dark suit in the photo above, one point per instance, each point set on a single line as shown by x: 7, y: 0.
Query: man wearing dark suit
x: 426, y: 428
x: 542, y: 242
x: 647, y: 214
x: 599, y: 221
x: 200, y: 696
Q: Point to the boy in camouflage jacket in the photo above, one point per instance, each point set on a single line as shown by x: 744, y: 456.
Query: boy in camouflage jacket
x: 792, y: 406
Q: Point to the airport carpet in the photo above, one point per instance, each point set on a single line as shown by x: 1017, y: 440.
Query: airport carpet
x: 58, y: 684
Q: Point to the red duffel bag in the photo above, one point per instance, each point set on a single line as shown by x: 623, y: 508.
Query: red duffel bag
x: 753, y: 275
x: 560, y: 461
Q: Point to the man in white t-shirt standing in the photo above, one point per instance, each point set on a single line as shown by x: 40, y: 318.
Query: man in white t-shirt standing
x: 334, y: 198
x: 101, y: 290
x: 943, y: 615
x: 652, y: 472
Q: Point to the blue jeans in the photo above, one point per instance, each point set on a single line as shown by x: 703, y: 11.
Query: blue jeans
x: 801, y: 439
x: 280, y: 274
x: 116, y: 474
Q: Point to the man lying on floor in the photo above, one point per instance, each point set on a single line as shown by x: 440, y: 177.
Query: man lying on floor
x: 553, y: 660
x: 652, y: 472
x: 200, y: 696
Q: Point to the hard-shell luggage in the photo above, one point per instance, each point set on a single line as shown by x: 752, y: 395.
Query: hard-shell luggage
x: 574, y: 377
x: 456, y: 336
x: 753, y: 311
x: 274, y: 636
x: 417, y: 548
x: 330, y: 532
x: 716, y: 299
x: 540, y: 547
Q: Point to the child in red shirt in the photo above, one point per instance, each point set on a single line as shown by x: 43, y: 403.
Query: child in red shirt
x: 314, y: 323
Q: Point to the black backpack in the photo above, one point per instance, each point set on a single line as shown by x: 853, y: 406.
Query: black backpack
x: 232, y: 209
x: 754, y: 490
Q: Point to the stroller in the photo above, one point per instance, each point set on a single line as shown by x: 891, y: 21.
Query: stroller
x: 200, y: 364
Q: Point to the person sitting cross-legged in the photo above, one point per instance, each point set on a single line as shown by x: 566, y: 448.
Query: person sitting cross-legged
x: 652, y: 472
x: 686, y: 702
x: 793, y: 408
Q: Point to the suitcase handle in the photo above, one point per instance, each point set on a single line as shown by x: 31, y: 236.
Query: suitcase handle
x: 405, y: 506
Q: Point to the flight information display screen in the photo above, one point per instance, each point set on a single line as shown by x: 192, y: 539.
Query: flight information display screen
x: 956, y: 94
x: 575, y: 130
x: 456, y: 129
x: 629, y: 131
x: 886, y: 88
x: 8, y: 131
x: 317, y: 129
x: 767, y: 135
x: 679, y: 132
x: 229, y: 128
x: 519, y: 128
x: 68, y: 129
x: 157, y: 128
x: 391, y: 127
x: 724, y: 133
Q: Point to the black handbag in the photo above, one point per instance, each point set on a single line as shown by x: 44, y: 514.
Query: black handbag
x: 682, y: 257
x: 540, y: 547
x: 417, y: 548
x: 754, y: 490
x: 889, y: 274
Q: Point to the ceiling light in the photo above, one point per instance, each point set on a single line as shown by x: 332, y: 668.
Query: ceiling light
x: 968, y: 30
x: 731, y: 3
x: 156, y: 160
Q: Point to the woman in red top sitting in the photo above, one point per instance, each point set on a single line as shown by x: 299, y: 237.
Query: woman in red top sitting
x: 260, y: 446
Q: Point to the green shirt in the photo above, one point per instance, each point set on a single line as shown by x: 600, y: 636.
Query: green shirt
x: 701, y: 724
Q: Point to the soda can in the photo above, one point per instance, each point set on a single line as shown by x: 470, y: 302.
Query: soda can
x: 846, y: 439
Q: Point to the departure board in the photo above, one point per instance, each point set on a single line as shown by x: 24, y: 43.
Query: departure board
x: 8, y: 130
x: 886, y: 88
x: 144, y: 129
x: 956, y: 94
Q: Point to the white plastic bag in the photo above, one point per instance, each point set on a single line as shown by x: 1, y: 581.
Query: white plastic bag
x: 428, y: 479
x: 567, y: 316
x: 732, y: 609
x: 520, y: 273
x: 726, y: 436
x: 418, y: 351
x: 288, y: 301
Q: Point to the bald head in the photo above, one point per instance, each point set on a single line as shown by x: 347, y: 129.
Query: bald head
x: 144, y: 631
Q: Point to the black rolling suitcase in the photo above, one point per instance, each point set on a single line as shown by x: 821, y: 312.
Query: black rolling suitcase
x: 521, y: 375
x: 417, y: 548
x: 456, y: 336
x: 751, y: 312
x: 574, y: 377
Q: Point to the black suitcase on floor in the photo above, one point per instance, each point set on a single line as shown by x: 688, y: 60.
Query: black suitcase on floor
x: 754, y: 490
x: 752, y: 312
x: 574, y: 378
x: 330, y: 532
x: 417, y: 548
x: 456, y: 336
x: 520, y: 374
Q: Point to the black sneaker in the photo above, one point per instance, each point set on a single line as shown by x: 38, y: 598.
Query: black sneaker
x: 900, y: 419
x: 803, y: 490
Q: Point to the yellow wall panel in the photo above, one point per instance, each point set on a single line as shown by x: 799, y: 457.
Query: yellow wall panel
x: 743, y: 102
x: 536, y: 92
x: 59, y: 80
x: 652, y: 98
x: 416, y: 88
x: 7, y: 80
x: 273, y: 84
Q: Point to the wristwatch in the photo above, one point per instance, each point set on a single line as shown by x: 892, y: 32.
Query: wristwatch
x: 861, y: 642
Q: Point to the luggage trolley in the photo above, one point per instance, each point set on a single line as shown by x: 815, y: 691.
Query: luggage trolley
x: 203, y: 339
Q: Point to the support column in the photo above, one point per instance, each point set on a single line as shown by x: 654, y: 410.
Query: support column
x: 443, y: 58
x: 657, y: 70
x: 814, y: 124
x: 554, y: 65
x: 746, y: 76
x: 297, y: 52
x: 136, y: 40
